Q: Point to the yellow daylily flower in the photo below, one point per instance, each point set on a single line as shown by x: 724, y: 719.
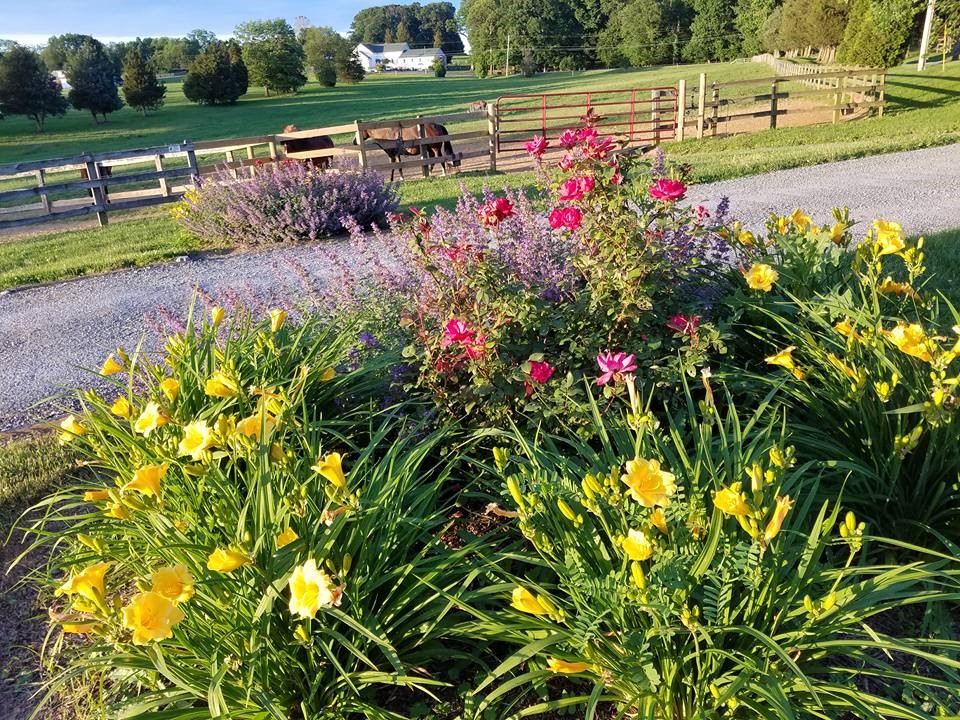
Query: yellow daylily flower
x: 649, y: 485
x: 72, y: 428
x: 171, y: 388
x: 911, y: 340
x: 731, y: 501
x: 219, y: 384
x: 226, y: 560
x: 253, y: 425
x: 782, y: 224
x: 659, y: 520
x: 96, y: 495
x: 121, y: 407
x: 761, y: 276
x: 197, y: 439
x: 889, y: 236
x: 111, y: 366
x: 286, y: 537
x: 150, y: 419
x: 88, y: 583
x: 562, y: 666
x: 216, y: 315
x: 147, y: 479
x: 311, y: 589
x: 151, y: 617
x: 328, y: 374
x: 174, y: 582
x: 745, y: 237
x: 837, y: 233
x: 800, y: 218
x: 784, y: 358
x: 776, y: 521
x: 331, y: 467
x: 117, y: 511
x: 845, y: 328
x: 637, y: 546
x: 889, y: 286
x: 277, y: 318
x: 525, y: 601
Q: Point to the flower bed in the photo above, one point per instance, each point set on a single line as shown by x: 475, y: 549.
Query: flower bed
x: 592, y: 450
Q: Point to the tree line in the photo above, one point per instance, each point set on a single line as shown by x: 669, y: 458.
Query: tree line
x: 576, y: 34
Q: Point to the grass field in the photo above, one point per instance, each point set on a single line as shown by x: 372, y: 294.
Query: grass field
x: 923, y: 110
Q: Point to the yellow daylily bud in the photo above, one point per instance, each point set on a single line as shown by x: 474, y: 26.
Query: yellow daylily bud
x: 525, y: 601
x: 557, y: 665
x: 121, y: 407
x: 111, y: 366
x: 277, y: 318
x: 567, y: 511
x: 776, y: 521
x: 659, y: 520
x: 731, y: 501
x: 514, y: 489
x: 216, y: 315
x: 639, y: 577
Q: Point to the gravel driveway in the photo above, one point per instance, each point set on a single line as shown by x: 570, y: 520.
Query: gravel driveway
x: 48, y: 334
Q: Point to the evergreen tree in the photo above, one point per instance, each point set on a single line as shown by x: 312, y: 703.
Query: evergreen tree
x: 751, y: 17
x: 635, y: 36
x: 712, y: 32
x: 877, y: 33
x: 141, y: 88
x: 811, y: 23
x: 93, y: 81
x: 27, y: 88
x: 217, y: 76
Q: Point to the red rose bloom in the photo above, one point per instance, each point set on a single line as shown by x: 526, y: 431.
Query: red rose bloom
x: 667, y: 190
x: 540, y: 371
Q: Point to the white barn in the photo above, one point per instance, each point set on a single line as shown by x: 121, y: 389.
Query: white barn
x: 397, y: 56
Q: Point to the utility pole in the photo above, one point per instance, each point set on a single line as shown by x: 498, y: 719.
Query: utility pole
x: 506, y: 72
x: 925, y: 40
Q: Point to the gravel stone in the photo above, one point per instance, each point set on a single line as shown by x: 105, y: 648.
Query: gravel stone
x: 50, y: 333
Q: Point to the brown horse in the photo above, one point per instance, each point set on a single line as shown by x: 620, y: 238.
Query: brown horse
x: 318, y: 142
x: 393, y: 141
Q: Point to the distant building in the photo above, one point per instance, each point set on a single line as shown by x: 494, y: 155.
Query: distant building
x: 61, y: 77
x: 397, y: 56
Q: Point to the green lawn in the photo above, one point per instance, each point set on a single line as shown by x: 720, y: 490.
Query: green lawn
x: 942, y: 259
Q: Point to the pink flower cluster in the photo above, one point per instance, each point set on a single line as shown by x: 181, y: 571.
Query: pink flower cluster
x: 495, y: 211
x: 459, y: 333
x: 615, y: 366
x: 568, y: 218
x: 667, y: 190
x: 576, y: 188
x: 685, y: 324
x: 537, y: 146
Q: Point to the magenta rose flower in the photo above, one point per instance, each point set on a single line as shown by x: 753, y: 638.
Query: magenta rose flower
x: 567, y: 139
x: 586, y: 135
x: 457, y: 332
x: 600, y: 148
x: 614, y: 366
x: 493, y: 212
x: 576, y: 188
x: 537, y: 146
x: 540, y: 371
x: 566, y: 162
x: 686, y: 324
x: 667, y: 190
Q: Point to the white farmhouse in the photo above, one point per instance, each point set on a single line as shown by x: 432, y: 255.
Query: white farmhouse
x: 397, y: 56
x: 61, y: 77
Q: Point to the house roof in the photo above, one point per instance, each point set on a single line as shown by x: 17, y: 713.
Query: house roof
x: 385, y: 47
x: 423, y: 52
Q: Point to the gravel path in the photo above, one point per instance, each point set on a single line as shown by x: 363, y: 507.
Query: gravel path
x: 49, y: 333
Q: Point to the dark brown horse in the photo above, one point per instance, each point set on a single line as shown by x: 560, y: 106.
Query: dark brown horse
x: 318, y: 142
x: 394, y: 142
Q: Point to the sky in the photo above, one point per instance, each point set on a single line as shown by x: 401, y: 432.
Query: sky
x: 31, y: 22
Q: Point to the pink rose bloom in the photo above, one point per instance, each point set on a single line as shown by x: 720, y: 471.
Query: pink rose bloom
x: 492, y: 212
x: 456, y: 332
x: 537, y: 146
x: 616, y: 179
x: 586, y: 135
x: 567, y: 139
x: 540, y: 371
x: 667, y: 190
x: 566, y: 162
x: 599, y: 149
x: 613, y: 366
x: 702, y: 213
x: 686, y: 324
x: 587, y: 184
x: 570, y: 190
x: 503, y: 207
x: 569, y: 218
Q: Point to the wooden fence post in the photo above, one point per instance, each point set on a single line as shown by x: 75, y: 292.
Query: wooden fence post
x: 164, y: 190
x: 251, y: 156
x: 99, y: 200
x: 230, y: 160
x: 41, y: 182
x: 655, y: 115
x: 192, y: 164
x: 701, y: 103
x: 272, y: 144
x: 715, y: 110
x: 681, y: 110
x: 426, y: 168
x: 773, y: 105
x: 362, y: 150
x: 492, y: 131
x: 882, y: 95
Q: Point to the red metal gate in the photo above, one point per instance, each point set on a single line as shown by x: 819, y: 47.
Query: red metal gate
x: 641, y: 115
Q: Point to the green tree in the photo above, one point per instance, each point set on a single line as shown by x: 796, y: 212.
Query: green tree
x: 202, y: 38
x: 439, y: 68
x: 60, y: 48
x: 751, y: 17
x: 217, y: 76
x: 877, y: 33
x: 434, y: 24
x: 331, y: 56
x: 811, y: 23
x: 713, y: 35
x: 273, y: 55
x: 635, y: 36
x: 93, y: 81
x: 141, y: 89
x: 27, y: 88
